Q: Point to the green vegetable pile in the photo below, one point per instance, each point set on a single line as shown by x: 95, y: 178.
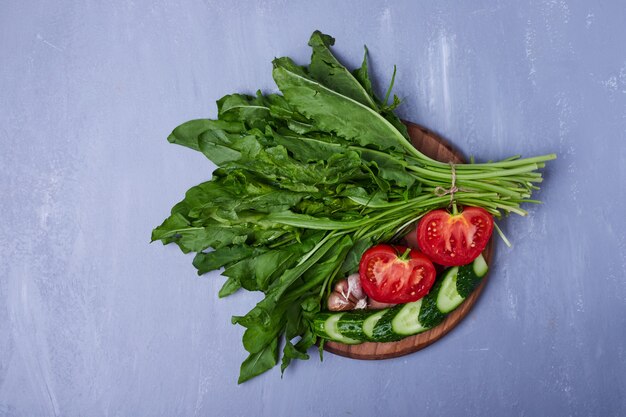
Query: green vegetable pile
x: 305, y: 182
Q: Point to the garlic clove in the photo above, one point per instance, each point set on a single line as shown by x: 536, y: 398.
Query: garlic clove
x: 354, y: 287
x: 336, y: 302
x: 342, y: 287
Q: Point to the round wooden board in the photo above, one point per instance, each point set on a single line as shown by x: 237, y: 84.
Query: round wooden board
x: 436, y: 147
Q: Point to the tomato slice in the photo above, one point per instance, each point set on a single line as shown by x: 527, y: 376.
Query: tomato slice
x: 395, y: 274
x: 454, y: 239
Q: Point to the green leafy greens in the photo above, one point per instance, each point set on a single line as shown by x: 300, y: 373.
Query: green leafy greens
x: 305, y: 182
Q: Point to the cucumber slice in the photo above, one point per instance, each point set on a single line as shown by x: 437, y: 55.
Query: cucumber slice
x: 448, y: 298
x: 470, y: 276
x: 370, y: 322
x: 459, y: 282
x: 331, y: 329
x: 319, y: 322
x: 406, y: 322
x: 430, y: 316
x: 351, y: 325
x: 383, y: 331
x: 480, y: 267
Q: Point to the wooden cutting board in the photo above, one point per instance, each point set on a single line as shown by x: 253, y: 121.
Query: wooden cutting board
x: 436, y: 147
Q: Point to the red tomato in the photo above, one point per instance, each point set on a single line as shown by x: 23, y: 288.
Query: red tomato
x: 454, y: 239
x: 395, y: 274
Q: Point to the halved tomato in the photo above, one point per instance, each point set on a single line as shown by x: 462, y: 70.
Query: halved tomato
x: 454, y: 239
x: 395, y: 274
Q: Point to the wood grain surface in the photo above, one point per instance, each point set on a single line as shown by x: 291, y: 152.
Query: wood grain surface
x: 438, y: 148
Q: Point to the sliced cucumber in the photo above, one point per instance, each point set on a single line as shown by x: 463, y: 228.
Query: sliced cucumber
x: 459, y: 282
x: 370, y: 322
x: 333, y: 333
x: 319, y: 324
x: 448, y: 298
x: 480, y: 267
x: 383, y: 331
x: 351, y: 325
x: 407, y: 322
x: 430, y: 316
x: 470, y: 276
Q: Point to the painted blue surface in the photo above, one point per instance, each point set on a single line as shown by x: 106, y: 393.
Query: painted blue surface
x: 94, y: 321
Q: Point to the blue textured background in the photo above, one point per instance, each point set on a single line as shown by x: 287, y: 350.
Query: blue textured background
x: 94, y: 321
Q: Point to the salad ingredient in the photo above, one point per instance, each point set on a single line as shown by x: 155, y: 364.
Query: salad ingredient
x: 395, y: 274
x: 370, y: 322
x: 397, y: 322
x: 331, y: 330
x: 383, y: 330
x: 469, y: 277
x: 354, y: 287
x: 305, y: 182
x: 351, y: 324
x: 448, y: 298
x: 337, y: 302
x: 347, y: 295
x: 464, y: 281
x: 457, y: 238
x: 406, y: 322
